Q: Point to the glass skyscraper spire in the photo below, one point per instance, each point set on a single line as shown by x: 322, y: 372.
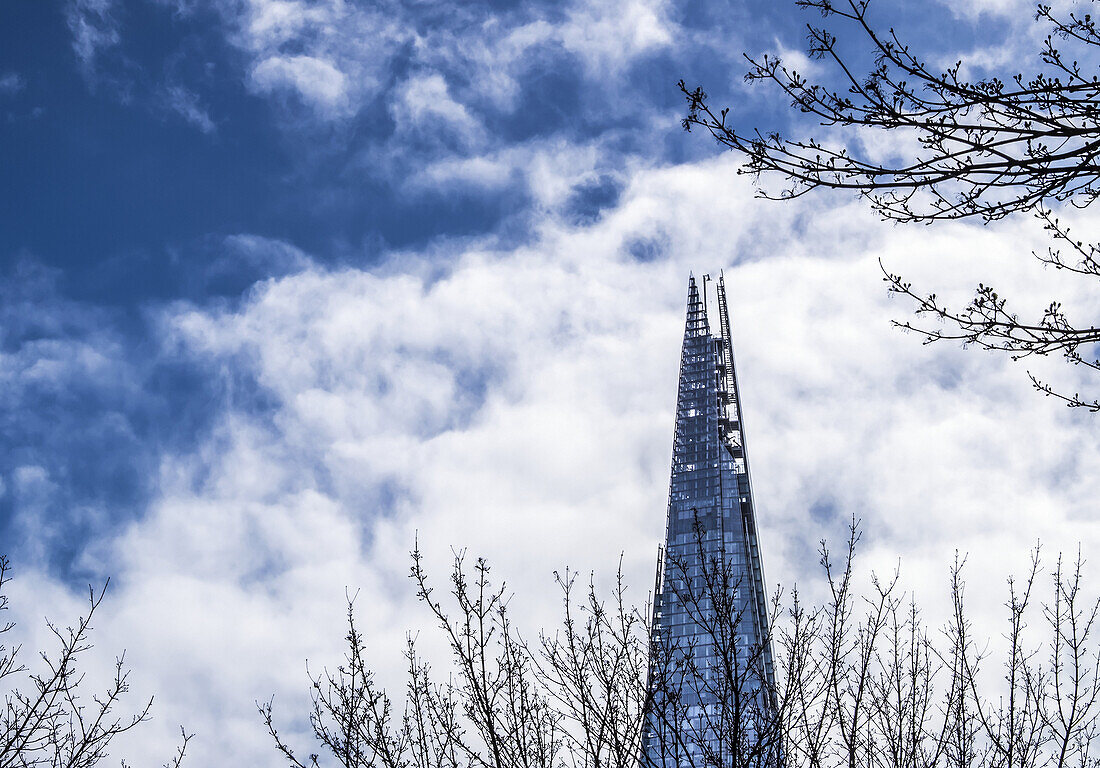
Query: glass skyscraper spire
x: 711, y: 673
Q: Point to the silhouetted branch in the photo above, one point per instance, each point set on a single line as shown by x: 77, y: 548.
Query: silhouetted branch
x: 48, y: 719
x: 860, y: 680
x: 967, y: 148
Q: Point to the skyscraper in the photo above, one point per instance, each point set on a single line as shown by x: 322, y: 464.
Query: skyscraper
x: 711, y: 672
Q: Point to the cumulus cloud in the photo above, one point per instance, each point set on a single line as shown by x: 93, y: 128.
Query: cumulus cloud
x: 513, y: 399
x: 519, y: 402
x: 82, y: 419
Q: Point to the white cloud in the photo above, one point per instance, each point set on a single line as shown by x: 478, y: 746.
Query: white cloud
x: 493, y: 55
x: 973, y: 10
x: 796, y: 60
x: 188, y: 106
x: 519, y: 403
x: 317, y: 81
x: 610, y: 34
x: 265, y: 255
x: 94, y: 28
x: 333, y: 55
x: 11, y: 83
x: 338, y: 56
x: 491, y: 172
x: 424, y: 101
x: 550, y: 169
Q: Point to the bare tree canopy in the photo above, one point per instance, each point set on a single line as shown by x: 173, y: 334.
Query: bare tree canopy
x: 967, y: 148
x: 862, y: 680
x: 50, y: 720
x: 987, y: 147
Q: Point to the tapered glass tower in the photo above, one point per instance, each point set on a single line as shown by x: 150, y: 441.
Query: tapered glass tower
x: 711, y: 672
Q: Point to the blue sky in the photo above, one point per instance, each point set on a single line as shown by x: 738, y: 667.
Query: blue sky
x: 140, y: 138
x: 286, y: 282
x: 135, y: 134
x: 165, y: 151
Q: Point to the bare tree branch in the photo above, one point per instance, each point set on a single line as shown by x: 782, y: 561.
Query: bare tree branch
x: 861, y: 680
x: 984, y: 149
x: 48, y: 718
